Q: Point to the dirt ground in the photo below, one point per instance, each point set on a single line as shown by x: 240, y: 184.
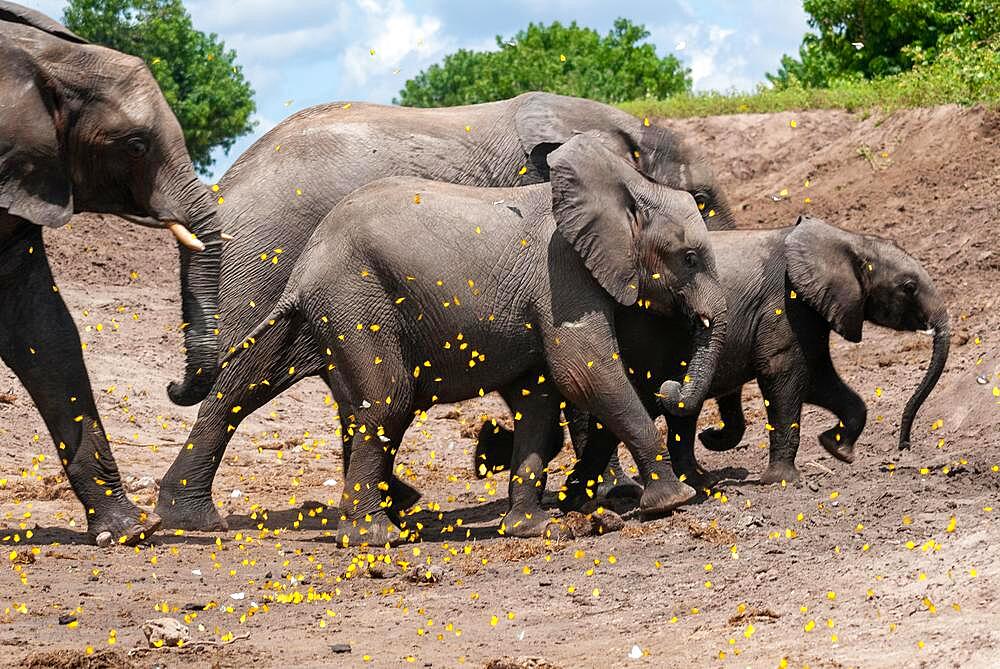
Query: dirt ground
x: 893, y: 561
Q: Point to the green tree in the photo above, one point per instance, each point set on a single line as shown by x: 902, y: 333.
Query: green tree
x: 198, y: 75
x: 878, y: 38
x: 571, y: 60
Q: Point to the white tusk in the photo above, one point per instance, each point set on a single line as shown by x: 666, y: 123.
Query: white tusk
x: 707, y: 323
x: 930, y: 332
x: 226, y: 238
x: 185, y: 237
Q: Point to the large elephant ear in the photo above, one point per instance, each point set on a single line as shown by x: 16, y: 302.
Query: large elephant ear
x: 594, y: 208
x: 34, y: 179
x: 824, y: 269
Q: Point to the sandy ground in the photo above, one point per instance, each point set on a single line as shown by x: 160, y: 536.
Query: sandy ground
x: 893, y: 561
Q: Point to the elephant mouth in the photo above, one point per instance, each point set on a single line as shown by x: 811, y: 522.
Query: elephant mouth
x: 176, y: 228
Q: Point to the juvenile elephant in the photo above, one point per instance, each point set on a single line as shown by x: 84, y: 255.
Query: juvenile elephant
x: 279, y: 190
x: 786, y: 288
x: 414, y: 292
x: 84, y: 128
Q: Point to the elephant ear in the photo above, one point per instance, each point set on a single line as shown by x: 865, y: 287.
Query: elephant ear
x: 594, y: 205
x: 12, y: 13
x: 823, y: 268
x: 34, y: 179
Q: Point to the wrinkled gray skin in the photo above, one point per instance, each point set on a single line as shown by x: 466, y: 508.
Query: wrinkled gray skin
x: 514, y: 291
x: 82, y: 128
x: 279, y: 190
x: 840, y: 280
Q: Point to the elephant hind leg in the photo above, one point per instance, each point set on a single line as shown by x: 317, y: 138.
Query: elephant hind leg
x: 730, y: 433
x: 40, y: 343
x: 830, y: 392
x: 377, y: 402
x: 537, y: 439
x: 279, y: 358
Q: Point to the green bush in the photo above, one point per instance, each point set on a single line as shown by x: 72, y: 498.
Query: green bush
x: 962, y: 75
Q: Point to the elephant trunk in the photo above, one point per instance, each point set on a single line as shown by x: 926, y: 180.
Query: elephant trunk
x: 939, y: 356
x: 710, y: 323
x: 199, y: 297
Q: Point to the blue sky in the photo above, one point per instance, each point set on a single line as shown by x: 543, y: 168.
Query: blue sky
x: 299, y: 53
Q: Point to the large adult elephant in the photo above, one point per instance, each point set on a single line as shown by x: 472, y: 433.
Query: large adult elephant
x: 279, y: 190
x: 85, y: 128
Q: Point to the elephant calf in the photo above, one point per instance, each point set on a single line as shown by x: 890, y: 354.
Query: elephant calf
x: 414, y: 292
x: 786, y: 289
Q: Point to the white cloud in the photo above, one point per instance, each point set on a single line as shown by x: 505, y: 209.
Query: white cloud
x: 390, y: 34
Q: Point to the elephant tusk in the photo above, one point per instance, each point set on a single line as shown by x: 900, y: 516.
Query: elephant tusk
x: 707, y: 323
x: 226, y: 238
x: 930, y: 332
x: 185, y: 237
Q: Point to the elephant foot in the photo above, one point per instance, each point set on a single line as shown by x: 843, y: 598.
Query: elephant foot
x: 695, y: 476
x: 127, y: 526
x: 196, y: 514
x: 526, y: 522
x: 663, y: 496
x: 404, y: 496
x: 718, y: 440
x: 494, y: 450
x: 832, y: 441
x: 369, y: 530
x: 780, y: 472
x: 616, y: 483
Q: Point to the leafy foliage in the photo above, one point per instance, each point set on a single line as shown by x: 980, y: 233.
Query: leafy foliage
x: 198, y: 76
x: 878, y: 38
x: 570, y: 60
x: 963, y: 76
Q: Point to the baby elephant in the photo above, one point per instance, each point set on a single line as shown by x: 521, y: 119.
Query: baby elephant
x: 414, y: 292
x: 786, y: 289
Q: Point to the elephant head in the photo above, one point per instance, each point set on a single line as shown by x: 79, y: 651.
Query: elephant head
x: 646, y: 245
x: 86, y: 128
x: 545, y: 121
x: 850, y: 279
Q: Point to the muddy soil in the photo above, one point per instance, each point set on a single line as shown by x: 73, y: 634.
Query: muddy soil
x: 893, y: 561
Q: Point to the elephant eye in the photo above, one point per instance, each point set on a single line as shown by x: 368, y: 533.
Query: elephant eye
x: 691, y: 259
x: 137, y: 146
x: 910, y: 287
x: 701, y: 199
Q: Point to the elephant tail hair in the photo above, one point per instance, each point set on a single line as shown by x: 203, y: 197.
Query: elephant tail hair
x: 286, y: 306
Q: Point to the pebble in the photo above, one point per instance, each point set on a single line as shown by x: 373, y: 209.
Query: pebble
x: 103, y: 539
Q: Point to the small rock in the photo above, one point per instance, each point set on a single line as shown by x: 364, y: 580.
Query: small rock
x: 329, y: 483
x: 66, y: 619
x: 340, y: 648
x: 137, y: 483
x: 426, y: 573
x: 103, y: 539
x: 238, y: 595
x: 812, y: 485
x: 165, y: 632
x: 236, y: 494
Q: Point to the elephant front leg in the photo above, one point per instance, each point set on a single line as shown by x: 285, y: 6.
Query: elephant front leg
x: 727, y: 436
x: 586, y: 368
x: 783, y: 396
x: 680, y: 443
x: 40, y: 343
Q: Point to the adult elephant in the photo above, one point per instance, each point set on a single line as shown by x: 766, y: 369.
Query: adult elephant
x: 85, y: 128
x: 275, y: 195
x: 528, y: 278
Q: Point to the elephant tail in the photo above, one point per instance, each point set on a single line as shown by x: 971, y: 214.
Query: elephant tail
x: 286, y: 307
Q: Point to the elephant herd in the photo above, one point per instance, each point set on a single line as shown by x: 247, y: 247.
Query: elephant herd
x: 569, y: 256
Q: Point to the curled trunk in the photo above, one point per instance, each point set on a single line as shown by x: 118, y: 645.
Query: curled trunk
x: 707, y: 302
x: 939, y: 356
